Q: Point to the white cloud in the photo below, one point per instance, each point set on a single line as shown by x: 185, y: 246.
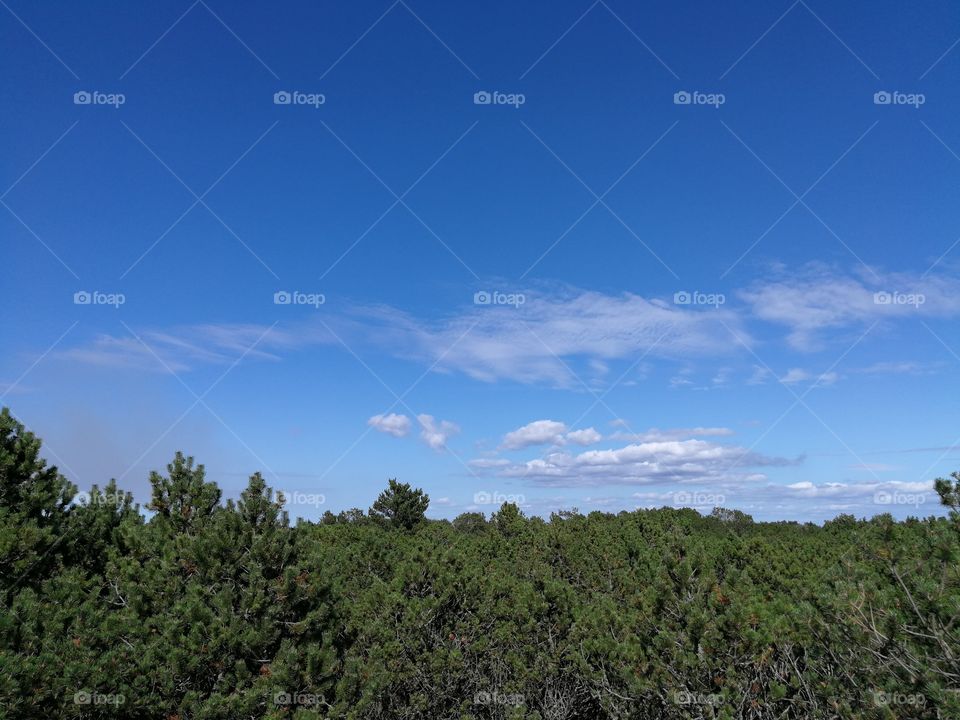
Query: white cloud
x: 816, y: 299
x: 645, y: 462
x: 436, y: 433
x: 797, y: 375
x: 828, y: 378
x: 184, y: 348
x: 539, y: 432
x: 907, y: 367
x: 392, y: 424
x: 548, y: 432
x: 560, y: 333
x: 542, y: 340
x: 658, y: 435
x: 722, y: 376
x: 488, y: 463
x: 587, y: 436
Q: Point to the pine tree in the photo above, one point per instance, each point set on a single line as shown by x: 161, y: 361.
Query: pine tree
x: 401, y: 505
x: 183, y: 500
x: 34, y: 502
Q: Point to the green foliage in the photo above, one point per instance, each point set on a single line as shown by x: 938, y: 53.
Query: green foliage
x: 224, y: 611
x: 400, y: 505
x: 33, y: 506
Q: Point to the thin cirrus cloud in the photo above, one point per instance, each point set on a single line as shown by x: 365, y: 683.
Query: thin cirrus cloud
x: 658, y: 435
x: 816, y: 300
x: 799, y: 375
x: 536, y: 343
x: 559, y: 336
x: 184, y: 348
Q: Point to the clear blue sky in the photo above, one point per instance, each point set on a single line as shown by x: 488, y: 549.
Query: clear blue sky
x: 787, y: 199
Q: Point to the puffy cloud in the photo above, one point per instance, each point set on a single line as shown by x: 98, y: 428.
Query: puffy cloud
x: 548, y: 432
x: 435, y: 433
x: 392, y: 424
x: 539, y: 432
x: 658, y: 461
x: 587, y: 436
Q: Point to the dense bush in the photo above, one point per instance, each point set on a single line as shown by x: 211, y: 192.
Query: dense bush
x: 223, y: 610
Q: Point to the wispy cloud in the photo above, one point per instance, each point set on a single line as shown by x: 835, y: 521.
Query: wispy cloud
x: 184, y: 348
x: 818, y: 299
x: 565, y: 337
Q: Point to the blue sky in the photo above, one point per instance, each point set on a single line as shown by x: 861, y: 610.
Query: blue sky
x: 748, y: 299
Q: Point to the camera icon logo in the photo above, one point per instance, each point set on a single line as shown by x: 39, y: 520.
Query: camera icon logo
x: 882, y: 98
x: 681, y: 97
x: 882, y: 298
x: 882, y: 498
x: 282, y: 297
x: 482, y: 98
x: 82, y: 297
x: 82, y: 97
x: 282, y: 97
x: 482, y: 498
x: 482, y: 298
x: 82, y: 698
x: 681, y: 298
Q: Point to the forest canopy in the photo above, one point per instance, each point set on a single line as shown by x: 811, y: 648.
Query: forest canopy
x: 196, y: 607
